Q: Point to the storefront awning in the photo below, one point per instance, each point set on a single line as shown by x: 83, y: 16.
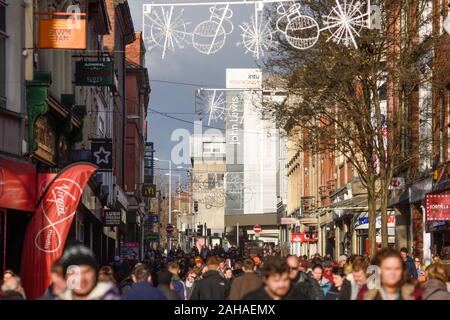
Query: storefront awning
x: 17, y: 185
x: 357, y: 203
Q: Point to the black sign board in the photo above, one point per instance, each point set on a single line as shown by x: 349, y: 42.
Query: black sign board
x: 94, y: 73
x: 101, y: 152
x: 112, y: 218
x: 149, y: 190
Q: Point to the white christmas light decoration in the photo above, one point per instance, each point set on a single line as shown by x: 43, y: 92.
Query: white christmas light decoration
x: 216, y: 105
x: 166, y: 30
x: 210, y: 36
x: 345, y: 22
x: 257, y: 36
x: 301, y: 31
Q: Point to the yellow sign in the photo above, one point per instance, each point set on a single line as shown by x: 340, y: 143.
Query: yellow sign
x: 149, y: 190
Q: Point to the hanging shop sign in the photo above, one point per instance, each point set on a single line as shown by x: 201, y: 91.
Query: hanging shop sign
x: 129, y: 250
x: 152, y: 236
x: 47, y: 231
x: 149, y: 190
x: 101, y: 151
x: 94, y: 73
x: 307, y: 236
x: 62, y: 30
x: 296, y: 238
x: 437, y: 207
x: 154, y: 218
x: 112, y: 218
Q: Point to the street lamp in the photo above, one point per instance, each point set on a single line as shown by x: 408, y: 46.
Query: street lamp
x: 179, y: 195
x: 170, y: 194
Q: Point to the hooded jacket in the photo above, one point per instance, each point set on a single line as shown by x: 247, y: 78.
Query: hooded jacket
x: 211, y: 287
x: 435, y: 289
x: 244, y: 284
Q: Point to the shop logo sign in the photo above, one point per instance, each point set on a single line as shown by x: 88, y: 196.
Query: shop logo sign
x: 58, y: 205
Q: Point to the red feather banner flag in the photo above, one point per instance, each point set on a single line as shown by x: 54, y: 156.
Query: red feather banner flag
x: 47, y: 231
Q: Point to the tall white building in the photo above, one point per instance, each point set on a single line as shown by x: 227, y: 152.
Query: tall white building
x: 252, y: 144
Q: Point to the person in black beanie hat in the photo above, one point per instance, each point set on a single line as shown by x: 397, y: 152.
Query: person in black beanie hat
x: 80, y: 269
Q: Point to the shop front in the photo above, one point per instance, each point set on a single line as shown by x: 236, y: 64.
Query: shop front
x: 361, y: 227
x: 438, y: 224
x: 17, y: 204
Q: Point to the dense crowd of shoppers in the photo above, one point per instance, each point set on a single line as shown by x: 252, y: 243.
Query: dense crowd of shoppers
x: 216, y: 274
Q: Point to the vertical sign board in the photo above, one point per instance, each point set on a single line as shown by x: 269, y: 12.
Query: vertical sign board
x: 238, y: 79
x: 437, y: 207
x: 112, y: 218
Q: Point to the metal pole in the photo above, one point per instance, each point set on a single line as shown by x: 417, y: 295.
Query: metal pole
x: 237, y: 235
x: 170, y: 201
x: 195, y: 4
x: 179, y: 210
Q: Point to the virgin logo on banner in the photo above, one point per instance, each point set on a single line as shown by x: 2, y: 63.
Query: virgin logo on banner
x: 47, y: 231
x: 438, y: 207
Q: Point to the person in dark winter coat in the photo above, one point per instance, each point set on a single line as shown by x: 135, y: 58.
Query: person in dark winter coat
x: 246, y: 283
x: 341, y: 288
x: 435, y: 288
x: 303, y: 281
x: 166, y: 286
x: 142, y: 289
x: 277, y: 284
x: 80, y: 269
x: 410, y: 266
x: 237, y: 270
x: 212, y: 286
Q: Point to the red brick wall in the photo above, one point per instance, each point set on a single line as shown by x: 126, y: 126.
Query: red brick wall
x: 134, y: 50
x: 108, y: 40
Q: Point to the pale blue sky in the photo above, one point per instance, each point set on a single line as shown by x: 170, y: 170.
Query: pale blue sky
x: 187, y: 66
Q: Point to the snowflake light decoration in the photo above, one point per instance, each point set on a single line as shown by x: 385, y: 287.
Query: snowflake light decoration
x: 345, y: 21
x: 216, y: 105
x: 257, y: 36
x: 166, y: 30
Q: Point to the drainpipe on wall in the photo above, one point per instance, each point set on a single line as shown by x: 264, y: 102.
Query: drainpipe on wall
x: 426, y: 237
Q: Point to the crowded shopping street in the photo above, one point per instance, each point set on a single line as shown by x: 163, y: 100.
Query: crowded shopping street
x: 232, y: 156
